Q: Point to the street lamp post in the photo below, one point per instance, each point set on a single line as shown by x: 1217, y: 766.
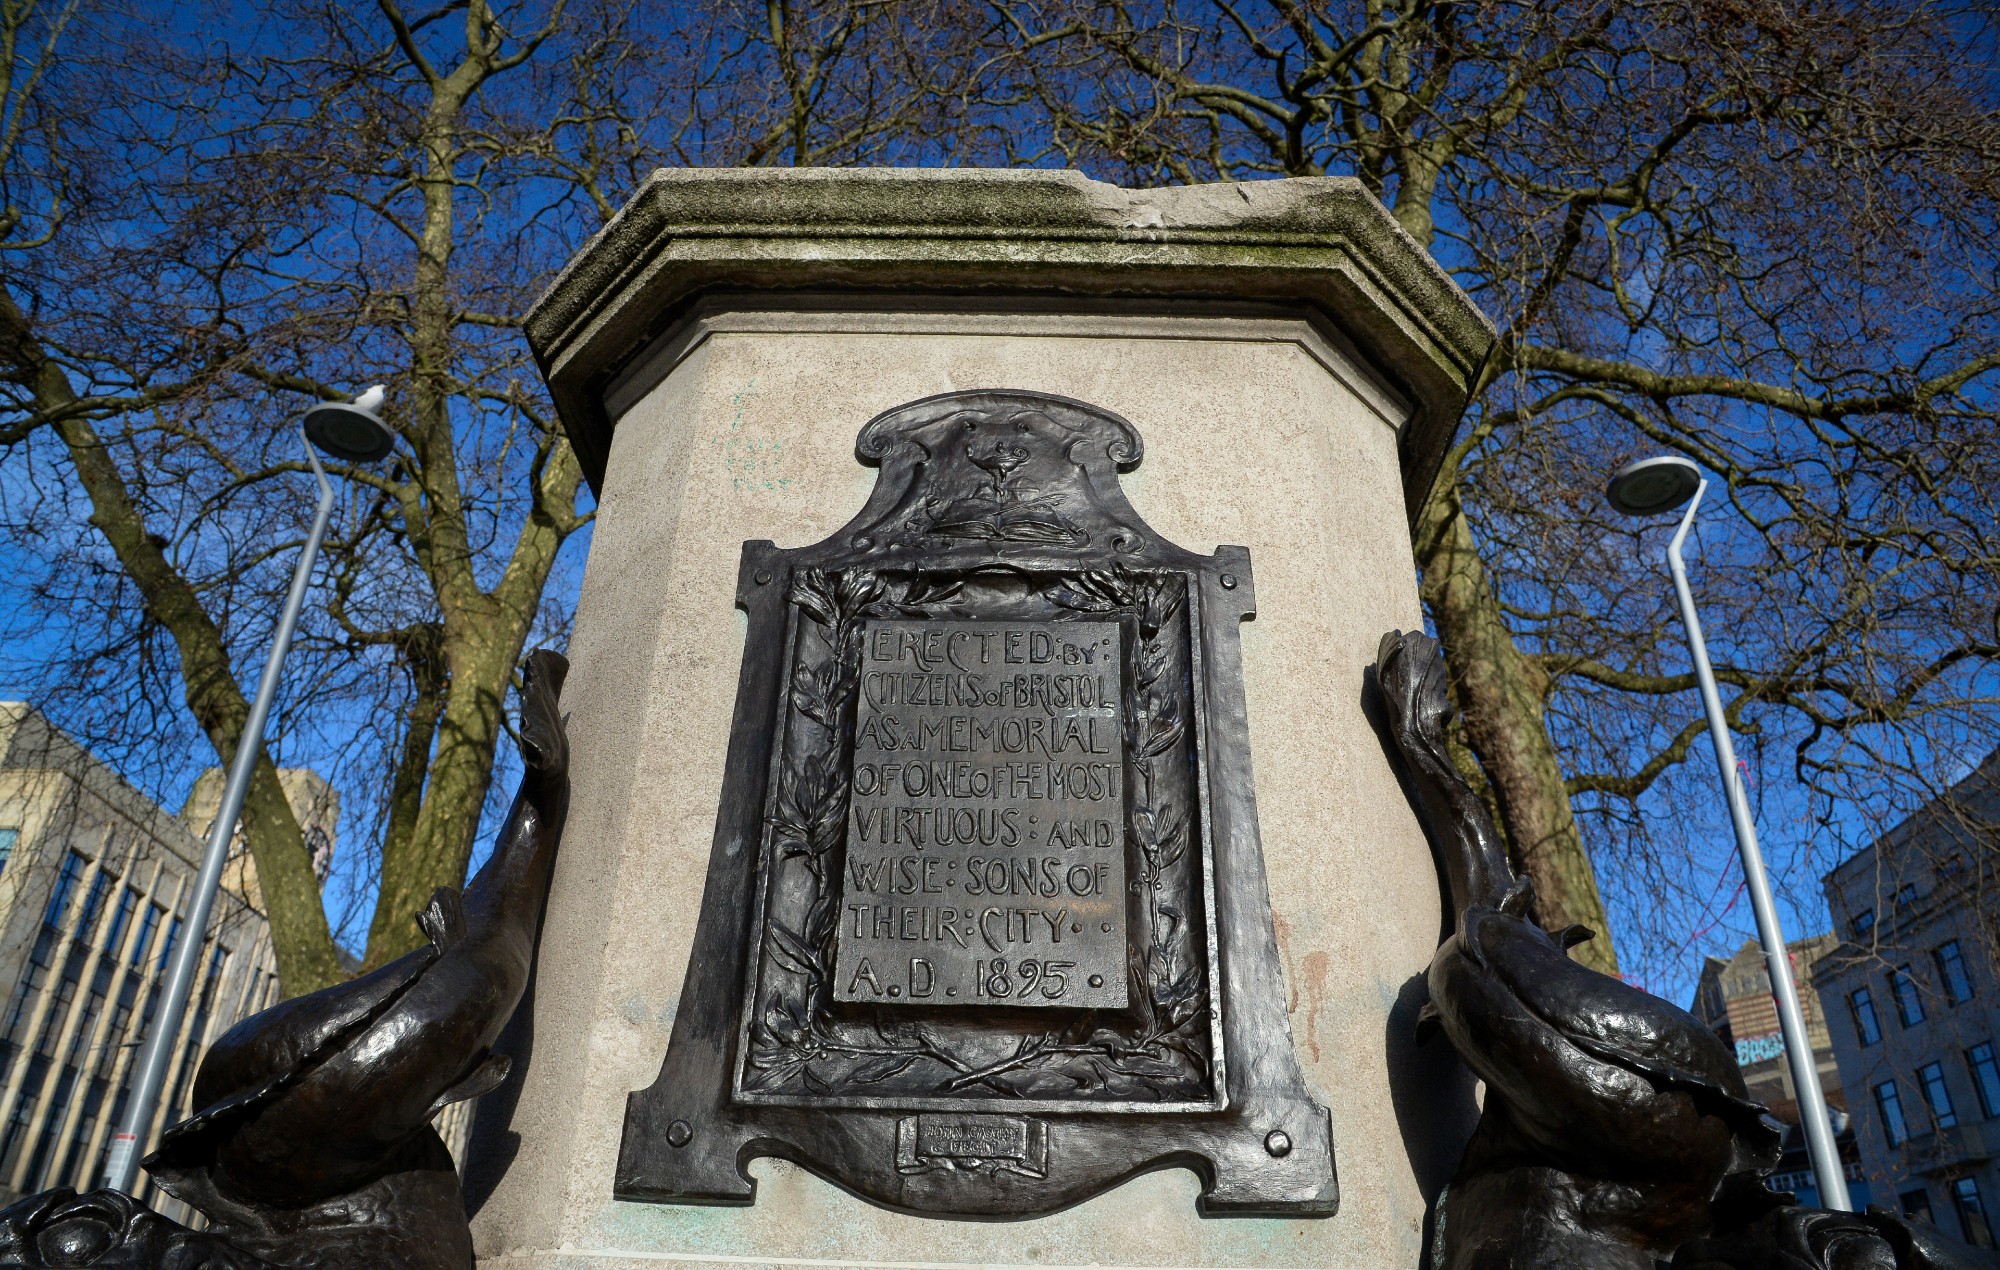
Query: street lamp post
x: 349, y: 431
x: 1650, y: 487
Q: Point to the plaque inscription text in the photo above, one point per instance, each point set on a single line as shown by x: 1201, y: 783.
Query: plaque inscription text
x: 985, y: 844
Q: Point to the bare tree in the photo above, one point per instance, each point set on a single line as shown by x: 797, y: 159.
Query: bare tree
x: 1756, y: 234
x: 329, y: 197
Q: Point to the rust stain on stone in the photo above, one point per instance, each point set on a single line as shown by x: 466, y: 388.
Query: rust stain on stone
x: 1313, y: 970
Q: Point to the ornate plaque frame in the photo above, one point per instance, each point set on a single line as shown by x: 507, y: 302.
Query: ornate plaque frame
x: 992, y: 507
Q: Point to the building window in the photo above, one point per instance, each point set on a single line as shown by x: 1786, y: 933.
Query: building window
x: 167, y: 949
x: 1909, y: 1004
x: 1952, y: 973
x: 1916, y: 1205
x: 93, y: 907
x: 218, y: 960
x: 1890, y: 1104
x: 121, y: 921
x: 1985, y: 1066
x: 8, y: 837
x: 1906, y: 895
x: 1861, y: 1003
x: 1864, y: 921
x: 1971, y: 1206
x: 73, y: 866
x: 147, y: 925
x: 41, y: 959
x: 24, y: 1111
x: 1931, y: 1077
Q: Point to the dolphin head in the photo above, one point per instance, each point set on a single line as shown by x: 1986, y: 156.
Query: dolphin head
x: 1585, y: 1070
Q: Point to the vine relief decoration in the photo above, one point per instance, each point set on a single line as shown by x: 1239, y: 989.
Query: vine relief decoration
x: 986, y: 840
x: 1160, y: 1049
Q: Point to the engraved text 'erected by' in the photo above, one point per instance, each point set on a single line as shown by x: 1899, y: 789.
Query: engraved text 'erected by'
x: 985, y: 847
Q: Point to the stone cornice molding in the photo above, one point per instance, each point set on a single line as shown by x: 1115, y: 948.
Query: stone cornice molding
x: 1321, y: 242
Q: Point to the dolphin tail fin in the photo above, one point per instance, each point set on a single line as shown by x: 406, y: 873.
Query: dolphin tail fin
x: 1410, y: 674
x: 1572, y: 935
x: 485, y: 1077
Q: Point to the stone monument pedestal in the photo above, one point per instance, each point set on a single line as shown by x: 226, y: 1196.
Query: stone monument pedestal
x: 1294, y: 365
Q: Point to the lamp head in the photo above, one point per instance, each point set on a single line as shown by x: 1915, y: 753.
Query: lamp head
x: 1654, y: 485
x: 351, y: 431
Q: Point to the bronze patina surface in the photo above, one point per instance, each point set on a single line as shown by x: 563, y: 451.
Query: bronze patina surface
x: 985, y: 929
x: 1615, y: 1132
x: 985, y: 839
x: 313, y: 1146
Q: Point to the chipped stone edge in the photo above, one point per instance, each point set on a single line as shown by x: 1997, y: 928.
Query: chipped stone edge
x: 1324, y: 242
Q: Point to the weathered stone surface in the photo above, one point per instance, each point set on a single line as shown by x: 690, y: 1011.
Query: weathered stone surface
x: 1295, y: 365
x: 1320, y: 242
x: 1250, y: 439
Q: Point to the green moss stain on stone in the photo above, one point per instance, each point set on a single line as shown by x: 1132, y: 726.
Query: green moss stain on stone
x: 752, y: 461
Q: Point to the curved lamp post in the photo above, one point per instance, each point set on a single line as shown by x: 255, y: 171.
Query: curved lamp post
x: 1648, y: 488
x: 352, y: 433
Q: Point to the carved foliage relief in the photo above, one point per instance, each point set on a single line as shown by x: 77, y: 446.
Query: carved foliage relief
x: 974, y: 945
x: 986, y: 819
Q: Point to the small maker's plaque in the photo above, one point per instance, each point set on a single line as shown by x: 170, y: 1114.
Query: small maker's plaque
x: 985, y: 849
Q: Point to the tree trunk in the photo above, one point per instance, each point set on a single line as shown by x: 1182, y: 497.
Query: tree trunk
x: 300, y: 936
x: 406, y: 789
x: 482, y: 633
x: 440, y: 844
x: 1501, y: 696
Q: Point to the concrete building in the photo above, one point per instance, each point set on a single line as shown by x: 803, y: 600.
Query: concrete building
x: 1734, y: 997
x: 313, y: 801
x: 94, y: 878
x: 1912, y: 1001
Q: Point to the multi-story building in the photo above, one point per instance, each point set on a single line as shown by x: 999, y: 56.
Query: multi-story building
x: 94, y: 882
x: 1734, y: 997
x: 313, y: 801
x: 1912, y: 999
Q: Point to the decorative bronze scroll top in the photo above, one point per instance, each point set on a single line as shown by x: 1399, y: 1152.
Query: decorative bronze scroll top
x: 1001, y: 468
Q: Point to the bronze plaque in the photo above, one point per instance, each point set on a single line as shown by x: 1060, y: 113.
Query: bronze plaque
x: 985, y: 842
x: 985, y: 929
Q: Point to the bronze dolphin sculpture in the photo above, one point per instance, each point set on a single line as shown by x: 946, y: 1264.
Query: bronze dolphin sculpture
x: 1616, y: 1132
x: 313, y: 1146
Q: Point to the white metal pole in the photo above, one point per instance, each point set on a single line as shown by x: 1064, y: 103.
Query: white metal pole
x: 1791, y: 1020
x: 157, y: 1056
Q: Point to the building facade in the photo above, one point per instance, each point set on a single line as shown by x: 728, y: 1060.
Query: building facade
x: 1912, y: 1001
x: 1734, y: 998
x: 95, y: 881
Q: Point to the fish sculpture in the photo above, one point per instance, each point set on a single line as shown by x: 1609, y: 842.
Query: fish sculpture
x: 313, y: 1146
x: 1616, y: 1132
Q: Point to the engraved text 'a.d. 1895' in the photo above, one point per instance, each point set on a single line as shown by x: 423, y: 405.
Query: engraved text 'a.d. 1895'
x: 985, y: 847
